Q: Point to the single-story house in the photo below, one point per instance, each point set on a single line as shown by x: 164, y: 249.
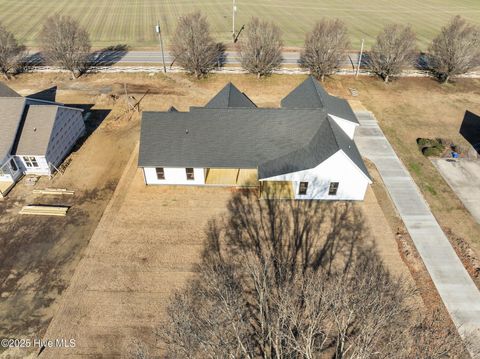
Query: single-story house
x: 303, y: 150
x: 35, y: 136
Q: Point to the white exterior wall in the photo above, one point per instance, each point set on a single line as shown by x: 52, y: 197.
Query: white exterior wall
x: 174, y: 175
x: 338, y: 168
x: 347, y: 126
x: 42, y: 169
x: 68, y: 127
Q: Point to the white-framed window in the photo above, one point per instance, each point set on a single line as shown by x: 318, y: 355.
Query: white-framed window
x: 160, y: 173
x: 302, y: 188
x: 333, y: 188
x: 190, y: 174
x: 30, y: 161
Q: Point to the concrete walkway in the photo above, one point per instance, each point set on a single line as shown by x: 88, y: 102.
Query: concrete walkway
x: 456, y: 288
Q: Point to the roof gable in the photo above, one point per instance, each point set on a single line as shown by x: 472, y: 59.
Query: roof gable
x: 311, y: 94
x: 229, y: 97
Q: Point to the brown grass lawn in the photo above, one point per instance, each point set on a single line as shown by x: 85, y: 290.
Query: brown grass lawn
x: 412, y: 108
x: 406, y: 109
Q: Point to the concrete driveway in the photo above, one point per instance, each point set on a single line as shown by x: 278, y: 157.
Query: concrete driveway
x: 455, y: 286
x: 463, y: 176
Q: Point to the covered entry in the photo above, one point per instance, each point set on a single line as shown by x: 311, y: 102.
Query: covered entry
x: 239, y: 177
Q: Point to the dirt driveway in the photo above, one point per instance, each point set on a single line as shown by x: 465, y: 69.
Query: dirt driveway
x: 463, y: 176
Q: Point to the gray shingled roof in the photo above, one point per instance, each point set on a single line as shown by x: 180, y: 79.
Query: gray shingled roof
x: 276, y: 141
x: 229, y: 97
x: 6, y: 91
x: 310, y: 94
x: 11, y: 109
x: 36, y: 130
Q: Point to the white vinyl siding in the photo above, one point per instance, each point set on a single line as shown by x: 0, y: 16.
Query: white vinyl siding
x: 174, y: 175
x: 352, y: 182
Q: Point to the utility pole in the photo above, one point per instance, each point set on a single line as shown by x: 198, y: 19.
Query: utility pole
x: 159, y: 33
x: 360, y: 58
x: 234, y: 10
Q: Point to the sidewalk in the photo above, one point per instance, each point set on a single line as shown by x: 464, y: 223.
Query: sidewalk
x: 457, y: 290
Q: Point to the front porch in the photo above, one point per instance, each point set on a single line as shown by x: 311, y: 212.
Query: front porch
x: 238, y: 177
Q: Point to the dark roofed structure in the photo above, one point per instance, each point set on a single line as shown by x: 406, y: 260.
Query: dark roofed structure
x: 229, y: 97
x: 229, y: 134
x: 310, y: 94
x: 6, y: 91
x: 242, y: 138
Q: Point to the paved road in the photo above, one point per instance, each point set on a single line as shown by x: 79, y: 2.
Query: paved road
x: 456, y: 288
x: 231, y: 57
x: 463, y: 176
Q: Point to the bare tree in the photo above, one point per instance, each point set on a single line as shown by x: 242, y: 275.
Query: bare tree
x: 456, y: 50
x: 292, y: 279
x: 193, y: 47
x: 65, y: 43
x: 11, y: 52
x: 260, y: 47
x: 393, y: 51
x: 325, y: 46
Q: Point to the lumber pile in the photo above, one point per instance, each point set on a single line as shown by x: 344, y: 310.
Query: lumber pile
x: 54, y: 191
x: 44, y: 210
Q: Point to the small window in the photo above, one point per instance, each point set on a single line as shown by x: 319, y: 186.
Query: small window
x: 13, y: 165
x: 160, y: 173
x: 190, y: 175
x: 332, y: 190
x: 302, y: 189
x: 30, y: 161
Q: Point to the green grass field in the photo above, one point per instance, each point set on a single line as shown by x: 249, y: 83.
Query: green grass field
x: 131, y: 22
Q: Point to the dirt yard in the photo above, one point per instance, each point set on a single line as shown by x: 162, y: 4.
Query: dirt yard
x: 146, y: 246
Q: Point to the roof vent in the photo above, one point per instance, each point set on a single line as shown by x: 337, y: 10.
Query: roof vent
x: 186, y: 131
x: 34, y: 129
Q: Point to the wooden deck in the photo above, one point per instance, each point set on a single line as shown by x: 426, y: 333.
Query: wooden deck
x: 231, y: 177
x: 5, y: 187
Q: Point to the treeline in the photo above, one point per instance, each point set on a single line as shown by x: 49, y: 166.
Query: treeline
x: 454, y: 51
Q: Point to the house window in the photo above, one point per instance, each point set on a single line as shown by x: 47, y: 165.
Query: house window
x: 30, y: 161
x: 13, y: 165
x: 190, y: 175
x: 160, y: 173
x: 302, y: 189
x: 332, y: 190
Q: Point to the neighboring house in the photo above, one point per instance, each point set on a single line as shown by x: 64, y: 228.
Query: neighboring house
x: 35, y: 136
x: 303, y: 150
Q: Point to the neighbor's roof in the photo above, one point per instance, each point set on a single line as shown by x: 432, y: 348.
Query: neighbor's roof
x: 11, y: 109
x: 310, y: 94
x: 276, y: 141
x: 229, y: 97
x: 6, y: 91
x: 37, y: 128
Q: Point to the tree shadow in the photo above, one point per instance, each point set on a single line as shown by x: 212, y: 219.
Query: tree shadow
x: 470, y: 129
x: 107, y: 56
x: 294, y: 235
x: 29, y: 61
